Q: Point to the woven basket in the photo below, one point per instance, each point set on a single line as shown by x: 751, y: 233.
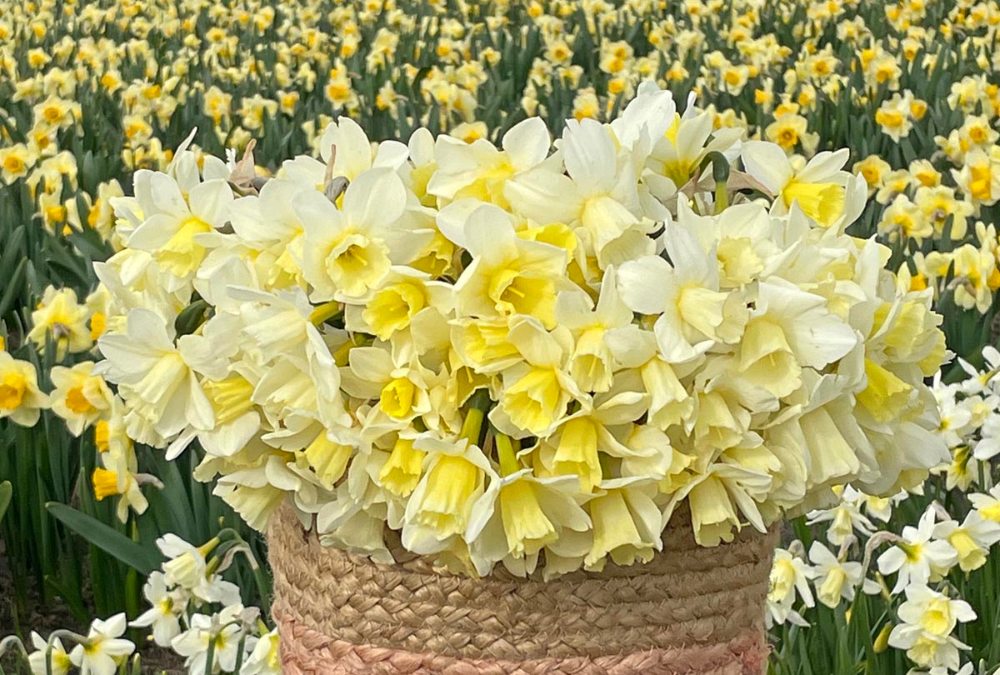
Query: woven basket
x: 692, y: 610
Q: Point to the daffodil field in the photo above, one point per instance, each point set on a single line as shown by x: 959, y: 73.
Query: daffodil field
x: 838, y: 159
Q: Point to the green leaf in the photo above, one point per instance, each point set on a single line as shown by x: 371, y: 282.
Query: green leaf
x: 136, y: 556
x: 15, y: 284
x: 71, y: 594
x: 12, y: 251
x: 5, y: 491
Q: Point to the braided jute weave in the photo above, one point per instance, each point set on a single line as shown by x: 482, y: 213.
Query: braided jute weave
x: 691, y: 611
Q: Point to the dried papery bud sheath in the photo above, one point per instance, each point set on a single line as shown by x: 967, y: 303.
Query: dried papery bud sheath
x: 335, y: 187
x: 244, y: 172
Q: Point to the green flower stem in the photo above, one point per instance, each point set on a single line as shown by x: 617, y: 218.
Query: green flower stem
x: 508, y: 458
x: 472, y: 427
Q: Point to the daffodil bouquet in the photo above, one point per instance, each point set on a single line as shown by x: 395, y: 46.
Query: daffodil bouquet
x: 525, y: 354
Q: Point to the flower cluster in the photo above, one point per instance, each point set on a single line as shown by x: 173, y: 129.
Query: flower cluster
x: 921, y: 558
x: 91, y: 92
x: 917, y: 571
x: 180, y: 597
x: 505, y: 351
x: 970, y: 421
x: 103, y: 651
x: 915, y: 78
x: 83, y: 400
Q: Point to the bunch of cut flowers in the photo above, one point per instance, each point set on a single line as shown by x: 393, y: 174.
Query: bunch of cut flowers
x: 526, y: 353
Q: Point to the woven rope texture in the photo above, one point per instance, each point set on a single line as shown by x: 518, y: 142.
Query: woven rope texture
x: 691, y: 611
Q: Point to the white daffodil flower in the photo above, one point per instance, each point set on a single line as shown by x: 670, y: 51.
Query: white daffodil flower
x: 167, y: 606
x: 478, y: 170
x: 822, y: 190
x: 684, y: 295
x: 40, y: 660
x: 917, y: 559
x: 349, y: 250
x: 175, y: 220
x: 163, y: 392
x: 836, y: 580
x: 105, y: 648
